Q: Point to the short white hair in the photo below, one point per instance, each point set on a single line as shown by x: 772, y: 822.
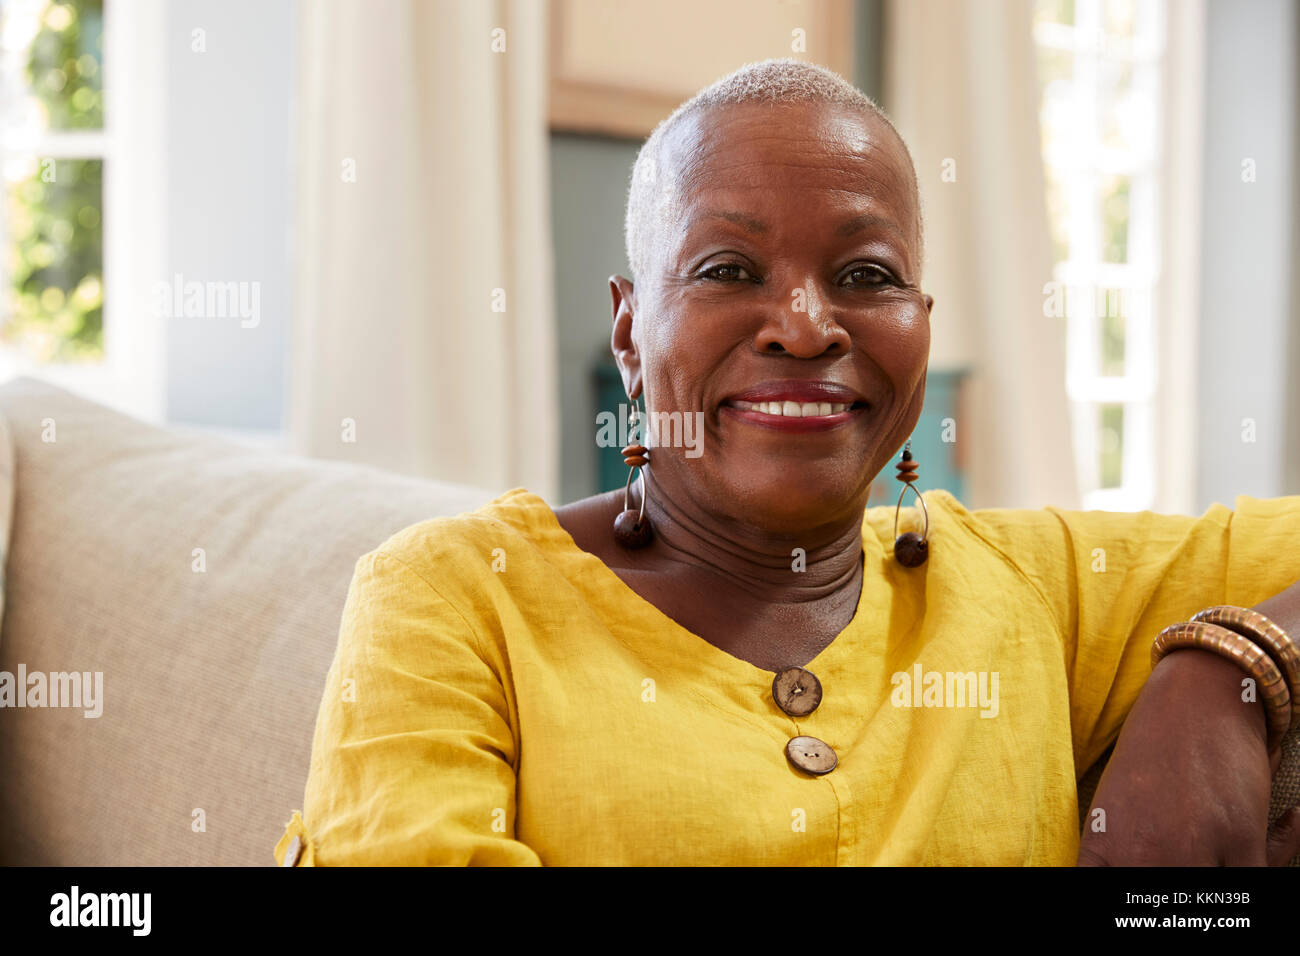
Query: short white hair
x: 785, y: 80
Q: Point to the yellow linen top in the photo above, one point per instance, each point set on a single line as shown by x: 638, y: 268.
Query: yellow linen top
x: 499, y: 696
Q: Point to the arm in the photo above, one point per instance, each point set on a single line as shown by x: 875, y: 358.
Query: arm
x: 413, y: 756
x: 1189, y: 779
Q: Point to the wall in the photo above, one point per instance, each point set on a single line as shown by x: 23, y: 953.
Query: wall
x: 589, y: 176
x: 228, y: 204
x: 1292, y: 480
x: 1248, y: 318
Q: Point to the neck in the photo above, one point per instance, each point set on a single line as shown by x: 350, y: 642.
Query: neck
x: 756, y: 561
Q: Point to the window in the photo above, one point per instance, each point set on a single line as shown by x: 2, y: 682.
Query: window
x: 1100, y: 69
x: 74, y: 82
x: 53, y: 179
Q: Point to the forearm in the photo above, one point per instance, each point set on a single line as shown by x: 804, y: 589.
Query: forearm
x: 1202, y: 683
x: 1189, y: 779
x: 1214, y: 681
x: 1284, y: 610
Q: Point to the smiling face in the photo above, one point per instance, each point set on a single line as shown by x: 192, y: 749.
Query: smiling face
x: 787, y: 273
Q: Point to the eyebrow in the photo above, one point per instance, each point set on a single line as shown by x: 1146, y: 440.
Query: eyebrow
x: 848, y: 228
x: 858, y: 223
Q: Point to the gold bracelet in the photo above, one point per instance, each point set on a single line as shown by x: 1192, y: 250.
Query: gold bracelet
x: 1248, y: 655
x: 1274, y: 640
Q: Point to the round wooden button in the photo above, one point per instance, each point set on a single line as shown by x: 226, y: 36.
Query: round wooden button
x: 797, y: 691
x: 811, y: 755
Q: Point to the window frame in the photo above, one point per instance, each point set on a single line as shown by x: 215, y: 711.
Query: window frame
x: 1160, y: 318
x: 130, y: 378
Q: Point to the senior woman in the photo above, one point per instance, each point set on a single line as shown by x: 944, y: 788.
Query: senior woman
x: 743, y: 670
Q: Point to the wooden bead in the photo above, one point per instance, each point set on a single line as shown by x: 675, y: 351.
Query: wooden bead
x: 628, y: 533
x: 636, y: 461
x: 635, y: 451
x: 911, y: 550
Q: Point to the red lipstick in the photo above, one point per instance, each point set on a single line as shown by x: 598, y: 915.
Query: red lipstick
x: 796, y: 405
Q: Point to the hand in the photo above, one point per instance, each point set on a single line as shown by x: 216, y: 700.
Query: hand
x: 1188, y: 783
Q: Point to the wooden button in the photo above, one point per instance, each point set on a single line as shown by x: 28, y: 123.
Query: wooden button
x: 811, y: 755
x: 797, y: 691
x: 292, y: 852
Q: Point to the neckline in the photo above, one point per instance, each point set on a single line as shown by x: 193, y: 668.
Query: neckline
x: 604, y: 587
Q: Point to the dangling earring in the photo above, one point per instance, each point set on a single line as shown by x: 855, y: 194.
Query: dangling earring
x: 632, y: 528
x: 911, y: 549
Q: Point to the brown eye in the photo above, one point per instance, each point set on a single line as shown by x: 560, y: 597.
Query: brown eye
x: 870, y: 275
x: 730, y: 272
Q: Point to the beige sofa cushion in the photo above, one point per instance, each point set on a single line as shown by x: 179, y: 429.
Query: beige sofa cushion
x: 205, y: 581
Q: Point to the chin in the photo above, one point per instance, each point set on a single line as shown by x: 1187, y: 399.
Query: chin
x: 791, y: 502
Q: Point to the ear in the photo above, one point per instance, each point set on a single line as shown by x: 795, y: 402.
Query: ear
x: 621, y: 343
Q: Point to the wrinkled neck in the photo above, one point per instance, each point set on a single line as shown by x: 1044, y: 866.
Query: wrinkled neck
x: 776, y: 568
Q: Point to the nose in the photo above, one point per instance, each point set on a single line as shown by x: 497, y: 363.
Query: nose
x: 803, y: 326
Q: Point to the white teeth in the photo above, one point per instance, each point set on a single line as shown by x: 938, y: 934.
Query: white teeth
x: 794, y: 409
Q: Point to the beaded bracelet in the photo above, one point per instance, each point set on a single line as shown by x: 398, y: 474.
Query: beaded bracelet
x: 1276, y: 642
x: 1247, y: 654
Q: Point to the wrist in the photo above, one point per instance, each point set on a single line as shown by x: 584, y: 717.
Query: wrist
x: 1209, y: 683
x: 1283, y: 610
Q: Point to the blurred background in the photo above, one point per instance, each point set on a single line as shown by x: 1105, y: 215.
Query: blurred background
x: 382, y: 231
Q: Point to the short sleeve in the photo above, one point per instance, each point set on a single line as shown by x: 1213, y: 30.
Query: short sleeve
x: 413, y: 756
x: 1114, y: 580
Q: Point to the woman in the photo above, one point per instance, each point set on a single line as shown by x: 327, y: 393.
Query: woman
x: 745, y: 672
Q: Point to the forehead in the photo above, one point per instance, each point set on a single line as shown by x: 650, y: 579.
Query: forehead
x: 790, y: 149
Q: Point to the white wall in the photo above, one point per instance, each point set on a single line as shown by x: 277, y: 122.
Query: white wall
x: 1248, y: 251
x: 228, y: 203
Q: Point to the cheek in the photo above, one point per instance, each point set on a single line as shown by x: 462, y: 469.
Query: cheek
x: 898, y: 340
x: 676, y: 364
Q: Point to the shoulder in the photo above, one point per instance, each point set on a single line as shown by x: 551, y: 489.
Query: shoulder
x: 459, y: 549
x: 947, y: 516
x: 1010, y: 530
x: 1029, y: 540
x: 437, y: 586
x: 1021, y: 554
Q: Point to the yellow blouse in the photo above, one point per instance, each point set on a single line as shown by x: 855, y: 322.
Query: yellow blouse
x: 499, y: 696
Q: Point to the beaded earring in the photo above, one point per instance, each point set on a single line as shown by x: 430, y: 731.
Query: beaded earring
x: 632, y: 528
x: 911, y: 549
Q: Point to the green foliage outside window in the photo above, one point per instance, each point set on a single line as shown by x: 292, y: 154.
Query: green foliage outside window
x: 54, y: 211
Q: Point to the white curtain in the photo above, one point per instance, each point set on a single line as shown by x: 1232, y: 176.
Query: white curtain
x: 423, y: 337
x: 961, y: 86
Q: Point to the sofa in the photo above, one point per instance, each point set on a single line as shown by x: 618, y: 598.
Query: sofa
x: 205, y: 581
